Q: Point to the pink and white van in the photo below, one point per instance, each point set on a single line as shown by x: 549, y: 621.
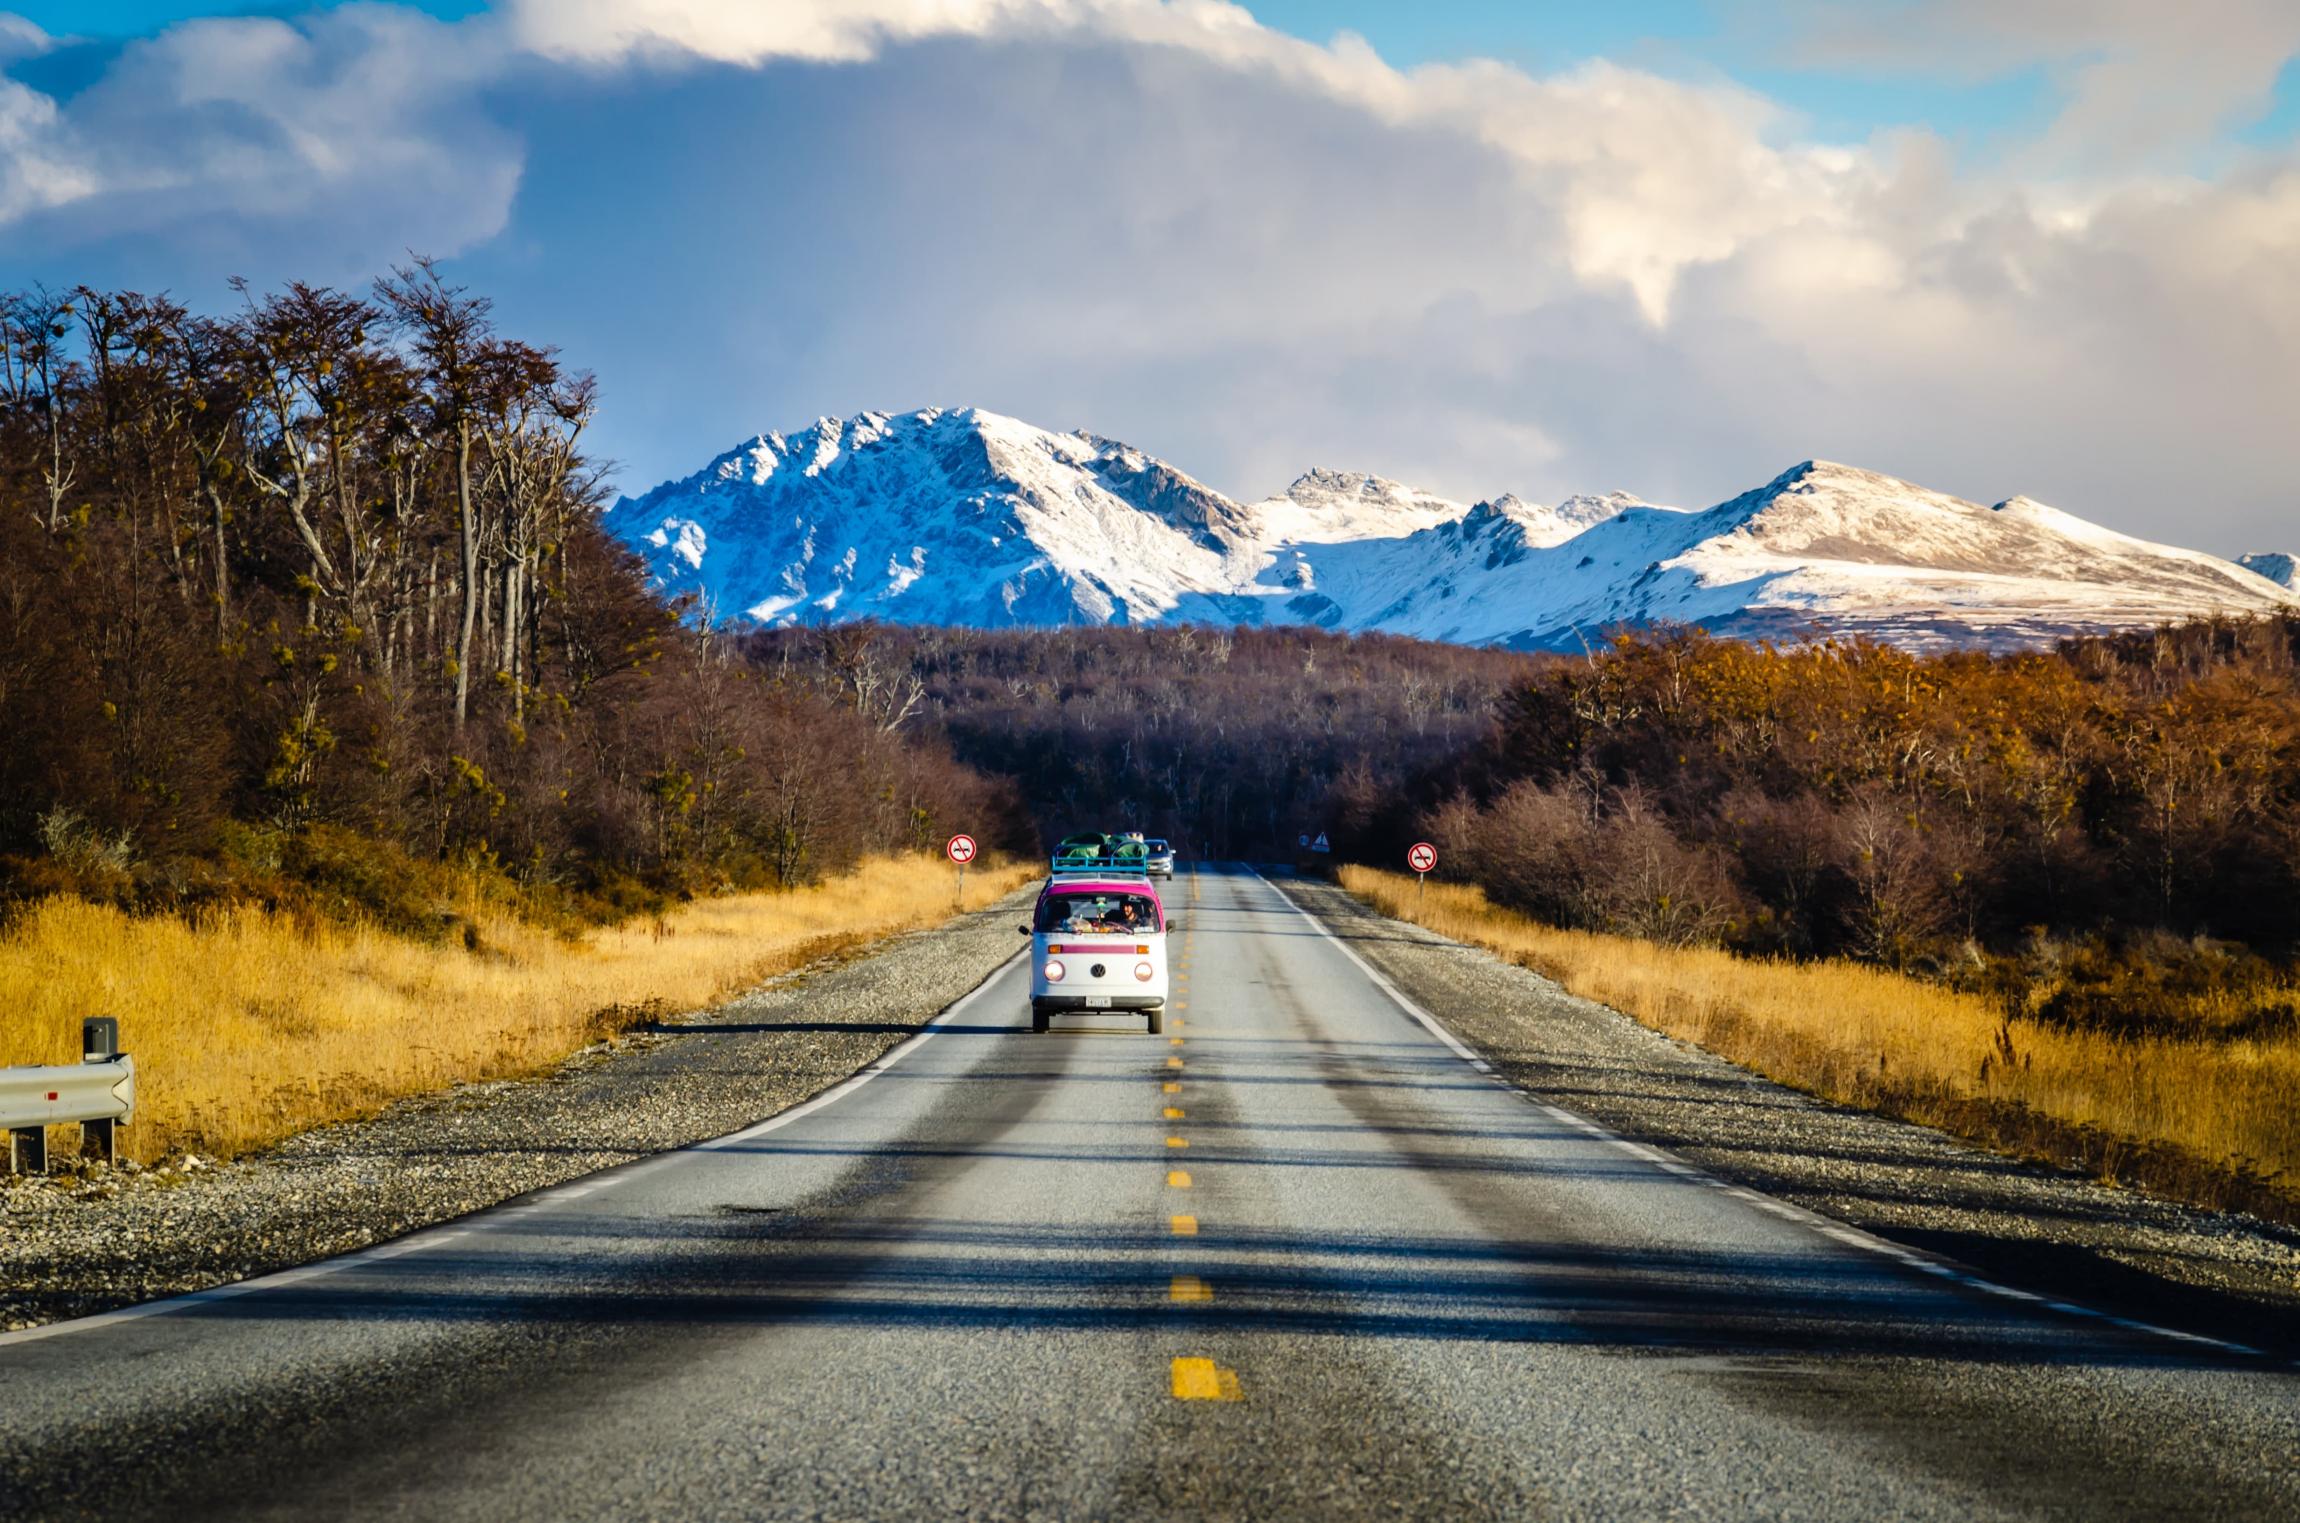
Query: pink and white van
x: 1097, y: 942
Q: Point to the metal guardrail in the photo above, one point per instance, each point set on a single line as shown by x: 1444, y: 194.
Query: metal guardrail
x: 99, y: 1092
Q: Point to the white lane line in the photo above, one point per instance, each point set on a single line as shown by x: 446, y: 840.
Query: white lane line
x: 1849, y: 1236
x: 480, y: 1221
x: 828, y: 1097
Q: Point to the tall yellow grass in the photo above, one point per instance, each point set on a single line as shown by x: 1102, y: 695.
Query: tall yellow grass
x: 250, y: 1025
x: 1864, y: 1036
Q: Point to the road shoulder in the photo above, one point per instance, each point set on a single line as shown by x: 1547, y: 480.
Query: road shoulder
x: 2221, y: 1274
x: 71, y: 1246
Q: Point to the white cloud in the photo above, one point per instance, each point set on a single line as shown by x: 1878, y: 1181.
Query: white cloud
x: 847, y: 31
x: 2143, y: 80
x: 1243, y: 250
x: 360, y: 127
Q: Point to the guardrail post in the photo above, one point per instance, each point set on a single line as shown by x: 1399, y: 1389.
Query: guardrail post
x: 28, y: 1150
x: 99, y: 1043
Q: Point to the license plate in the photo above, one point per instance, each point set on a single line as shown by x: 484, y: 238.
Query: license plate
x: 1097, y: 1001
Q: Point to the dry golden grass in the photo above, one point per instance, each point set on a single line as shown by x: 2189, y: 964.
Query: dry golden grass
x: 2214, y: 1121
x: 249, y: 1025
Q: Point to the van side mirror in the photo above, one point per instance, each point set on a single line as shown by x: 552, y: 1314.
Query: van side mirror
x: 1172, y: 925
x: 1025, y: 930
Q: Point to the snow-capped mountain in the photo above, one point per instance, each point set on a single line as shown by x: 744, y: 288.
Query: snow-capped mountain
x: 968, y: 517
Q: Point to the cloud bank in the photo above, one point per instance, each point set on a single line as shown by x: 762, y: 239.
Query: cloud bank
x: 1245, y: 251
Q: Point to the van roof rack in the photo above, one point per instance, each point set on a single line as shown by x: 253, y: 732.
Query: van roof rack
x: 1071, y: 864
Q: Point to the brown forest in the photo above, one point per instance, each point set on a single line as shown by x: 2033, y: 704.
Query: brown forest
x: 2106, y: 835
x: 298, y: 603
x: 1232, y: 742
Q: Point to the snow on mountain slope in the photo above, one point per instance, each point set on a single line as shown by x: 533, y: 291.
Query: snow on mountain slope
x: 1828, y: 544
x: 1325, y: 507
x: 936, y: 517
x: 968, y: 517
x: 2272, y: 564
x: 1554, y: 526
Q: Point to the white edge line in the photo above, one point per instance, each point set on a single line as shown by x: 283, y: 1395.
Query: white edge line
x: 455, y: 1227
x: 1840, y: 1232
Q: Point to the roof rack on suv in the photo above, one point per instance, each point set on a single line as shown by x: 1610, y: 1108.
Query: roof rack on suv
x: 1090, y: 852
x: 1071, y: 864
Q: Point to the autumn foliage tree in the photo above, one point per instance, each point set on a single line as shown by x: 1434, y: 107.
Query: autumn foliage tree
x: 1857, y: 798
x: 325, y: 575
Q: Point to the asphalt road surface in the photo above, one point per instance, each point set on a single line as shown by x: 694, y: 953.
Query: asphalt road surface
x: 1299, y: 1258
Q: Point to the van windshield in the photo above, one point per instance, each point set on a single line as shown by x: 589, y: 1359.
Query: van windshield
x: 1097, y: 912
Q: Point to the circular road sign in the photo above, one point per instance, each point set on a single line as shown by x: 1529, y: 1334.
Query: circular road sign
x: 961, y: 849
x: 1421, y: 857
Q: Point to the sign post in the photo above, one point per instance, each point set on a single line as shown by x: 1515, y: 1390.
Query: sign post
x: 960, y: 849
x: 1421, y: 857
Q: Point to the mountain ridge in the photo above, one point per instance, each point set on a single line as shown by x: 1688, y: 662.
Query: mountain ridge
x: 964, y: 516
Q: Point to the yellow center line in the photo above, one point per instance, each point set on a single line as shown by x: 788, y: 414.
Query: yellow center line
x: 1177, y: 1142
x: 1178, y: 1179
x: 1171, y: 1087
x: 1173, y: 1062
x: 1204, y: 1380
x: 1173, y: 1041
x: 1188, y: 1287
x: 1173, y: 1113
x: 1185, y: 1226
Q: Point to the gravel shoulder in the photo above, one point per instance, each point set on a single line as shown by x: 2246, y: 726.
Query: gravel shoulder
x: 2218, y: 1273
x: 71, y: 1245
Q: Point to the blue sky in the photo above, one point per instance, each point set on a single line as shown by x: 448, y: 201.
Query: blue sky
x: 1671, y: 247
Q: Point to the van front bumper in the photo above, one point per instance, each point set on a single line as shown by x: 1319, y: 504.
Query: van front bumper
x: 1059, y: 1004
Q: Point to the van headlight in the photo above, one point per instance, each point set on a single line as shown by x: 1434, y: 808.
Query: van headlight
x: 1145, y: 972
x: 1053, y: 971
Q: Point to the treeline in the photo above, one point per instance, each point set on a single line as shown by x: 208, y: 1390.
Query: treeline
x: 2114, y: 825
x: 305, y: 598
x: 1231, y: 742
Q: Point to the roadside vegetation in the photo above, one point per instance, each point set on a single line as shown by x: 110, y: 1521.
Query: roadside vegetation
x: 250, y: 1024
x: 301, y: 605
x: 344, y: 754
x: 2213, y: 1121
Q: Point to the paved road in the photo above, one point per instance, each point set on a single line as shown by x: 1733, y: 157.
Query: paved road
x: 1301, y: 1260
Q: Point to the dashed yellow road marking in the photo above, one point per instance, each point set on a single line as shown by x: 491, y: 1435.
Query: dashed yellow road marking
x: 1184, y: 1226
x: 1188, y: 1287
x: 1178, y: 1179
x: 1171, y: 1087
x: 1204, y: 1380
x: 1173, y: 1062
x: 1173, y: 1113
x: 1177, y: 1142
x: 1173, y: 1041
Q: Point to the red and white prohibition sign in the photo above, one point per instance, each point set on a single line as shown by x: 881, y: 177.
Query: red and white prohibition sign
x: 1421, y: 857
x: 961, y: 849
